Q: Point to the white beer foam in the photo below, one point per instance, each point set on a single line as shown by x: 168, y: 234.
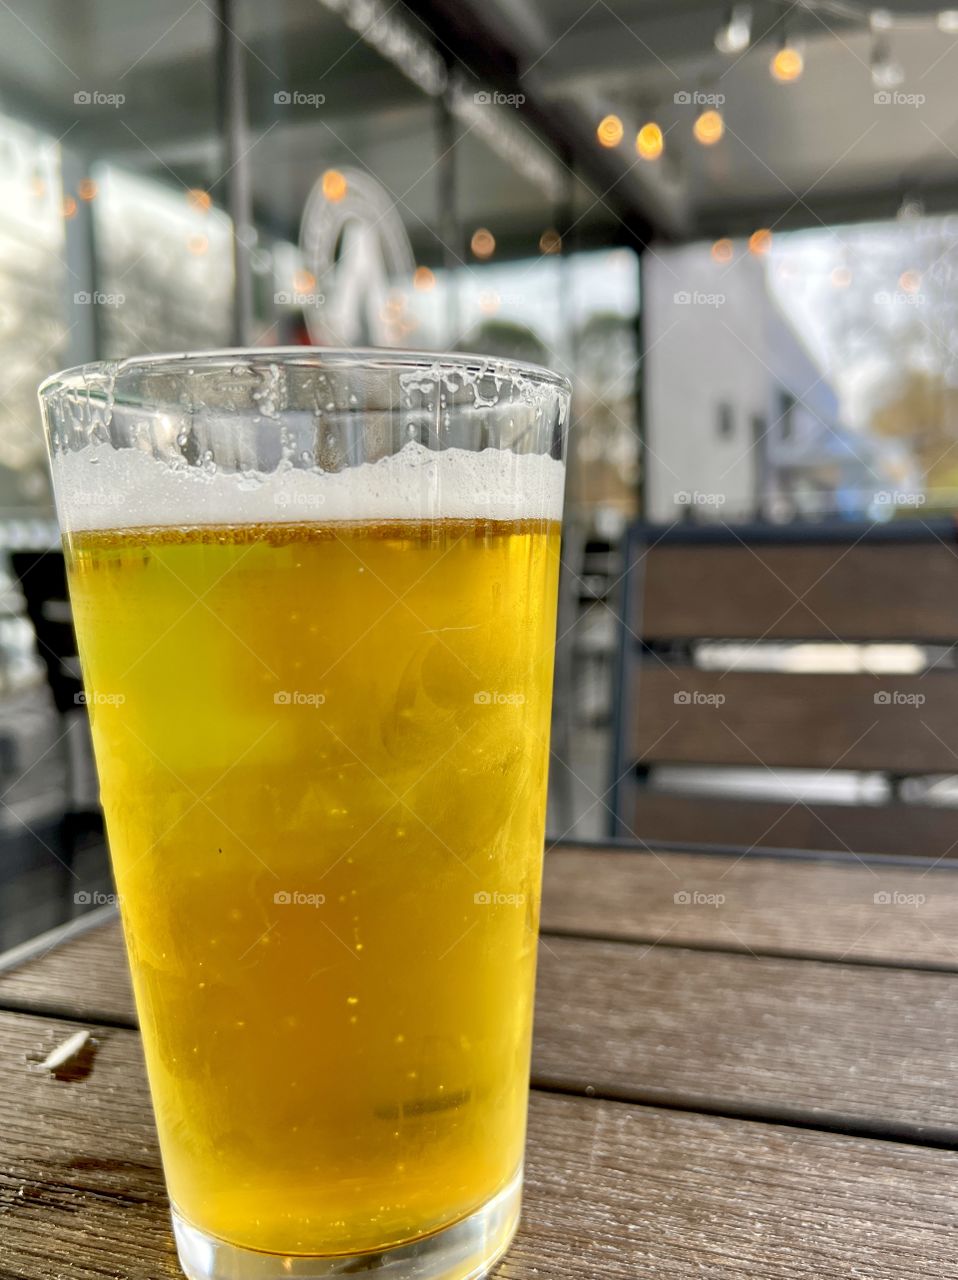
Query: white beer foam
x: 105, y: 488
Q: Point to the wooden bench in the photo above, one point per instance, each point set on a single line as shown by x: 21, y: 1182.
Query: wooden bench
x: 759, y: 586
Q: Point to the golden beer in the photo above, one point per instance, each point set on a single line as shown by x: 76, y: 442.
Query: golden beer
x: 322, y: 751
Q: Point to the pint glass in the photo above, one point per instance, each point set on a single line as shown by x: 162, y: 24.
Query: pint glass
x: 314, y: 594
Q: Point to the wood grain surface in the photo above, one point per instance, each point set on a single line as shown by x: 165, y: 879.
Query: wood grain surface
x: 896, y: 830
x: 812, y: 592
x: 787, y: 720
x: 849, y: 1047
x: 614, y: 1191
x: 777, y: 906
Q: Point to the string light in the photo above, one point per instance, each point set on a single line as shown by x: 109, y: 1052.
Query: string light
x: 199, y: 200
x: 550, y: 241
x: 760, y: 241
x: 722, y: 251
x: 610, y: 131
x: 736, y: 35
x: 86, y: 189
x: 649, y: 141
x: 787, y: 64
x: 334, y: 186
x: 709, y: 128
x: 483, y: 243
x: 909, y: 281
x: 423, y: 279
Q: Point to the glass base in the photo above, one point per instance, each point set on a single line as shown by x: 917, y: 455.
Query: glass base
x: 464, y: 1251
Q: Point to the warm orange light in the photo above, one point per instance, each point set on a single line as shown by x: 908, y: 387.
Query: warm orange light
x: 423, y: 279
x: 86, y: 189
x: 198, y: 245
x: 787, y: 65
x: 489, y: 302
x: 722, y: 251
x: 909, y: 281
x: 304, y: 281
x: 550, y: 241
x: 610, y: 131
x: 760, y: 241
x: 483, y: 243
x: 841, y: 278
x: 69, y: 206
x: 649, y: 142
x: 708, y: 128
x: 199, y: 200
x: 335, y: 186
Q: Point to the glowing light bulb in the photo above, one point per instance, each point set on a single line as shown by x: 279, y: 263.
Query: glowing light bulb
x: 610, y: 131
x: 649, y: 141
x: 722, y: 251
x: 760, y: 241
x: 335, y: 186
x: 483, y: 243
x: 787, y: 64
x: 709, y: 128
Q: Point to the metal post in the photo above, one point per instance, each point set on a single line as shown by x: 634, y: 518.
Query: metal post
x: 231, y: 87
x: 447, y: 137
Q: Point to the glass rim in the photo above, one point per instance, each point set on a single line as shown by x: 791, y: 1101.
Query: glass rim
x: 77, y: 378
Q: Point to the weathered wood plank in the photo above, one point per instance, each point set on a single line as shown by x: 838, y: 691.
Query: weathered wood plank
x: 850, y: 1047
x: 685, y: 715
x: 613, y: 1191
x: 895, y: 830
x: 776, y: 906
x: 811, y: 592
x: 87, y: 977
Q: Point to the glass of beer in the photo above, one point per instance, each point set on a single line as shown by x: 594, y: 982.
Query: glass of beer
x: 314, y: 594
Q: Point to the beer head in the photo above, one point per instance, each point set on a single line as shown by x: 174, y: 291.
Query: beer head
x: 275, y: 436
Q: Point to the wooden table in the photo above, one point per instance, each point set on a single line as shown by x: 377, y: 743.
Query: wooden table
x: 742, y: 1067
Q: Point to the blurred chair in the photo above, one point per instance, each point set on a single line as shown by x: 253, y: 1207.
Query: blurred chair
x: 744, y: 697
x: 42, y: 579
